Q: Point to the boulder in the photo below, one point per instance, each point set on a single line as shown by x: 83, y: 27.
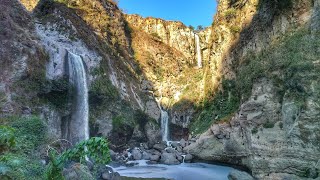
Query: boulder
x: 183, y: 143
x: 188, y: 158
x: 113, y: 155
x: 146, y: 156
x: 169, y: 159
x: 153, y: 133
x: 179, y: 157
x: 136, y: 154
x: 159, y: 146
x: 239, y: 175
x: 154, y: 157
x: 170, y: 150
x: 175, y: 144
x: 179, y: 149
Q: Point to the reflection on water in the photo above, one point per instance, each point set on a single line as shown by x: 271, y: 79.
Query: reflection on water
x: 185, y: 171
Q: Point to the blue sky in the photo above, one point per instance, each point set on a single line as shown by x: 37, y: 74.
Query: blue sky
x: 190, y: 12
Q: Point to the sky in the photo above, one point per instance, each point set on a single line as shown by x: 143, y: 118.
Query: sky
x: 190, y: 12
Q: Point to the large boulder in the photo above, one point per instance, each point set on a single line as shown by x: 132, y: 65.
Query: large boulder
x: 159, y: 146
x: 188, y: 158
x: 169, y: 159
x: 136, y: 154
x: 170, y: 150
x: 183, y: 143
x: 152, y: 132
x: 146, y: 156
x: 154, y: 157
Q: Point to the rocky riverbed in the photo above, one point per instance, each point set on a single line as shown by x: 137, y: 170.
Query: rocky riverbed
x: 169, y: 153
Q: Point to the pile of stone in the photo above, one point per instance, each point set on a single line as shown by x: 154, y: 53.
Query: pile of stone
x: 170, y: 153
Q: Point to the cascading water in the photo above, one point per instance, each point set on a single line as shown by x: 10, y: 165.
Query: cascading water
x: 164, y: 125
x: 78, y: 127
x: 199, y: 59
x: 164, y: 121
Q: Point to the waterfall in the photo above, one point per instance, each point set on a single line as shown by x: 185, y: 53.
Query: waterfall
x: 164, y: 122
x: 183, y: 157
x: 78, y: 127
x: 164, y: 125
x: 199, y: 59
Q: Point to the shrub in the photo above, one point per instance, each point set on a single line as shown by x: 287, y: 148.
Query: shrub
x: 156, y: 36
x: 235, y: 29
x: 24, y: 135
x: 95, y: 148
x: 268, y: 124
x: 281, y: 125
x: 230, y: 14
x: 118, y: 122
x: 254, y: 130
x: 191, y: 27
x: 200, y: 27
x: 7, y: 138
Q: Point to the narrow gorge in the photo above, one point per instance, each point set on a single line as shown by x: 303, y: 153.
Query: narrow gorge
x: 88, y: 91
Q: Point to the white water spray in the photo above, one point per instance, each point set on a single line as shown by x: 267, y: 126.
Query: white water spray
x: 164, y: 125
x: 183, y: 157
x: 79, y: 125
x: 164, y: 121
x: 199, y: 59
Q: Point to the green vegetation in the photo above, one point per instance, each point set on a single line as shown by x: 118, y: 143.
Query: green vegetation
x: 22, y: 137
x: 191, y: 27
x: 268, y: 124
x: 289, y: 63
x: 219, y: 108
x: 230, y: 14
x: 235, y: 29
x: 118, y: 122
x: 7, y: 138
x: 281, y: 125
x: 95, y: 148
x: 200, y: 27
x: 155, y: 36
x: 254, y: 130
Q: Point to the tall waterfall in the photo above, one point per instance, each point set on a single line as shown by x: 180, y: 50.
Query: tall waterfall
x: 164, y: 121
x: 78, y: 127
x: 164, y: 125
x: 199, y: 59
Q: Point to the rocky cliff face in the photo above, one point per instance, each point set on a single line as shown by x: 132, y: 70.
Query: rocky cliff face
x: 102, y: 39
x: 275, y: 125
x: 19, y: 46
x: 167, y: 53
x: 255, y: 96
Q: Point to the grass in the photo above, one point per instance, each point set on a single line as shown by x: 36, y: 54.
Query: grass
x: 220, y: 108
x: 22, y: 161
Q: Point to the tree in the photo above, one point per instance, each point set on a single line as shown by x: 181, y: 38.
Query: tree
x: 200, y: 27
x: 191, y: 27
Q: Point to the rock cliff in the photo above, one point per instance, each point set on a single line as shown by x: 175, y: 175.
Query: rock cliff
x: 259, y: 46
x: 253, y: 102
